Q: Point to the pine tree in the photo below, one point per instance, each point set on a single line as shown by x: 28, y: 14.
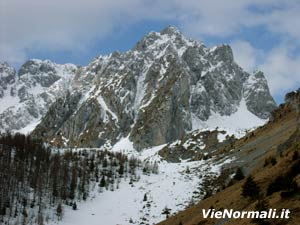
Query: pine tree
x: 121, y: 169
x: 74, y: 207
x: 187, y: 169
x: 295, y: 156
x: 59, y: 211
x: 261, y: 205
x: 105, y: 163
x: 102, y: 182
x: 25, y: 214
x: 145, y: 170
x: 73, y: 183
x: 145, y: 197
x: 250, y: 188
x: 40, y: 219
x: 239, y: 175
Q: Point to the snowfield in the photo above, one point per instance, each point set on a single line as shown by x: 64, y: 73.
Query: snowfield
x: 236, y: 124
x: 175, y: 186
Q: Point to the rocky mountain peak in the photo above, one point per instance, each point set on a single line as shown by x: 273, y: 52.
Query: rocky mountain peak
x: 171, y: 31
x: 259, y: 75
x: 257, y: 95
x: 168, y: 38
x: 222, y: 53
x: 35, y: 66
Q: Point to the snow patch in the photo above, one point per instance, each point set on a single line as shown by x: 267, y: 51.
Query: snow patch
x: 246, y: 120
x: 106, y: 109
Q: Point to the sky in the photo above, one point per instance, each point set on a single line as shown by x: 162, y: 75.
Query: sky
x: 264, y: 34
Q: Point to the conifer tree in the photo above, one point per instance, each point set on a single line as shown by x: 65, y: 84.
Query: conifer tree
x: 239, y: 175
x: 102, y: 182
x: 74, y: 206
x: 59, y: 211
x: 250, y: 188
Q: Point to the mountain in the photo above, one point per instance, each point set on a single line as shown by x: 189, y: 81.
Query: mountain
x: 164, y: 88
x: 25, y: 97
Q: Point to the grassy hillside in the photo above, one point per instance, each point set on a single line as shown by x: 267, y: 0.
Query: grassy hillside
x: 270, y: 154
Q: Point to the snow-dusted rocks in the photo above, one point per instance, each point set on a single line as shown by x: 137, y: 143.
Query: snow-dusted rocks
x: 26, y: 97
x: 7, y: 78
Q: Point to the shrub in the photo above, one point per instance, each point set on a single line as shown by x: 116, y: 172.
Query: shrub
x: 261, y: 205
x: 250, y: 188
x: 270, y: 160
x: 286, y: 194
x: 280, y: 183
x: 295, y: 156
x: 294, y: 170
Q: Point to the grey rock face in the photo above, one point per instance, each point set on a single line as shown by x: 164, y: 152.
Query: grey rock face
x: 167, y: 115
x: 58, y: 113
x: 257, y: 95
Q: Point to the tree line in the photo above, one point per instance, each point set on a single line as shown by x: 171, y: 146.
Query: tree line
x: 38, y: 181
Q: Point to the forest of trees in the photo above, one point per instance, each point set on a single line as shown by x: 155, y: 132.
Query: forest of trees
x: 37, y: 181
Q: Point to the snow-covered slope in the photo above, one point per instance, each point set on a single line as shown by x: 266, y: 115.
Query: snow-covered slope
x: 176, y: 186
x: 246, y: 121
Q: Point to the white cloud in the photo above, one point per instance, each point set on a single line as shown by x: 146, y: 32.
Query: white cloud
x: 73, y: 25
x: 68, y: 25
x: 245, y: 55
x: 282, y: 70
x: 11, y: 54
x: 283, y: 20
x: 280, y: 67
